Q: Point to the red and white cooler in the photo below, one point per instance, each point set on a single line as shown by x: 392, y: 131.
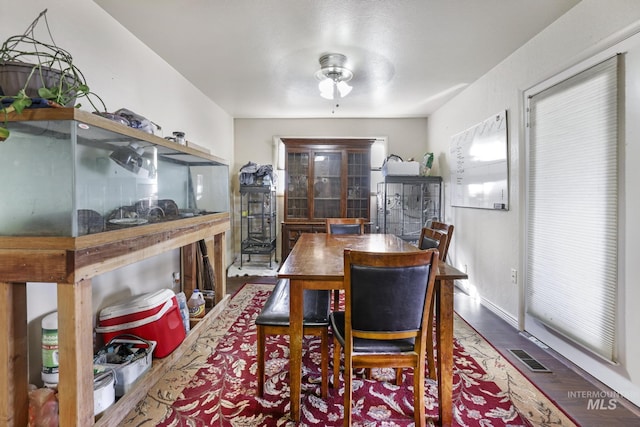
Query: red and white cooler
x: 154, y: 316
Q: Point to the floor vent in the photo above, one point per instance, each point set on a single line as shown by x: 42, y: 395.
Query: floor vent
x: 529, y: 361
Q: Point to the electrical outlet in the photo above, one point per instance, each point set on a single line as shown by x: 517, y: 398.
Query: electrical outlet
x: 514, y: 276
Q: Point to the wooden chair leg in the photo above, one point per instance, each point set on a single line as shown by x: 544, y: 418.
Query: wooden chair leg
x: 398, y: 376
x: 336, y: 363
x: 418, y: 395
x: 260, y: 342
x: 430, y: 349
x: 324, y: 364
x: 348, y: 389
x: 336, y: 300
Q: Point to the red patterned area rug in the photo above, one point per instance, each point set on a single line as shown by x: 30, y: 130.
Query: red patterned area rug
x: 214, y: 384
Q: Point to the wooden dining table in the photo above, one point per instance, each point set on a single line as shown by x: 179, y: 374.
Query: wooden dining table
x: 317, y: 262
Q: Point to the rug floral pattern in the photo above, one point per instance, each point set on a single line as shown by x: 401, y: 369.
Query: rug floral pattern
x: 214, y: 383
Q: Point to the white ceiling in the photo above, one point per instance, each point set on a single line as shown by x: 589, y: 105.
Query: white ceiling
x: 257, y: 58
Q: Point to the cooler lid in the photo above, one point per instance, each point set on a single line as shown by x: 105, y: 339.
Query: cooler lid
x: 137, y: 304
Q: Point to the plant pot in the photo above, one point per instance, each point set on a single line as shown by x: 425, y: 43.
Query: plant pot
x: 14, y: 75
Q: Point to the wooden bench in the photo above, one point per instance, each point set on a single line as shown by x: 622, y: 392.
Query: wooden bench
x: 274, y: 320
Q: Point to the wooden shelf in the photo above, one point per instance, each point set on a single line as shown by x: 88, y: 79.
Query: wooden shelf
x: 115, y: 413
x: 71, y: 263
x: 45, y: 114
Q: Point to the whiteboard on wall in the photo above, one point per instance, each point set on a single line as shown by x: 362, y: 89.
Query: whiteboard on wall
x: 479, y: 169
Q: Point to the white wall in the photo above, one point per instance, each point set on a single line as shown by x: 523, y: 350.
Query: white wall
x: 125, y: 73
x: 254, y: 142
x: 490, y: 243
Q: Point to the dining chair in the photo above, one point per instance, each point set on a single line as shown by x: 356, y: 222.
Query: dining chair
x: 388, y: 298
x: 274, y: 320
x: 448, y: 230
x: 429, y: 239
x: 432, y: 239
x: 343, y: 226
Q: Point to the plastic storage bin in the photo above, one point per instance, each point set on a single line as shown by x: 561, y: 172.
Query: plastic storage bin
x: 401, y: 168
x: 104, y: 393
x: 154, y: 316
x: 128, y: 356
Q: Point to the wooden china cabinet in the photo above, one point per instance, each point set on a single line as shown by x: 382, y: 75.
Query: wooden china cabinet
x: 324, y: 178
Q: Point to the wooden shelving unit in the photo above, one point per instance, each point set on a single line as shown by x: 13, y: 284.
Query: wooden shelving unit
x: 72, y: 263
x: 72, y: 260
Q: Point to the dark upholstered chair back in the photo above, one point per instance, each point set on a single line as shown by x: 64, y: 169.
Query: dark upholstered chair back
x: 345, y: 225
x: 433, y: 239
x: 345, y: 228
x: 388, y: 292
x: 388, y: 298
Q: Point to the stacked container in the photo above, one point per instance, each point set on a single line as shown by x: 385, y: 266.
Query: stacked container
x: 154, y: 316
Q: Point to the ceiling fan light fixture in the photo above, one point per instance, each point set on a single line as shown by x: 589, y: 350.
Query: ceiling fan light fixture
x: 343, y: 88
x: 333, y: 76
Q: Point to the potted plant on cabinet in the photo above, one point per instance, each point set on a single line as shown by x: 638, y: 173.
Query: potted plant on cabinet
x: 37, y: 73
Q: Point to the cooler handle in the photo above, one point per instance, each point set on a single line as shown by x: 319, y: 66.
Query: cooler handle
x: 107, y: 329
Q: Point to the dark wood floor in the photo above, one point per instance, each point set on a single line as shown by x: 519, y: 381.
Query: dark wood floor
x: 563, y: 385
x: 565, y: 382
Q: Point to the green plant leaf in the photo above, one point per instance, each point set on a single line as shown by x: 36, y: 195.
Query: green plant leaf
x: 47, y: 93
x: 4, y: 133
x: 20, y: 104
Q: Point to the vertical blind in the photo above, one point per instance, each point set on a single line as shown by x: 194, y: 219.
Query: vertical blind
x: 572, y: 207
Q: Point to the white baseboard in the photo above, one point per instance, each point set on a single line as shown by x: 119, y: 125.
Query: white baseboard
x: 499, y: 312
x: 492, y: 307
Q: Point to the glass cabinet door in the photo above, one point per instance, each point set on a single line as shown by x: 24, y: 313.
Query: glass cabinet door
x: 358, y: 185
x: 298, y: 185
x: 327, y: 184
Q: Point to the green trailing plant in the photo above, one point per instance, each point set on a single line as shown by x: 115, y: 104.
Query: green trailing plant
x: 50, y: 67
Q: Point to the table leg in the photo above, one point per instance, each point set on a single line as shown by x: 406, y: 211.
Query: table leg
x: 296, y: 305
x: 444, y: 334
x: 219, y: 262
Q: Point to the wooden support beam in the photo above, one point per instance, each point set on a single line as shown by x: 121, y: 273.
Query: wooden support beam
x: 75, y: 342
x: 14, y: 405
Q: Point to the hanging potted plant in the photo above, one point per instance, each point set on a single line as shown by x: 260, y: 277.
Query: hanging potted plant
x: 37, y: 72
